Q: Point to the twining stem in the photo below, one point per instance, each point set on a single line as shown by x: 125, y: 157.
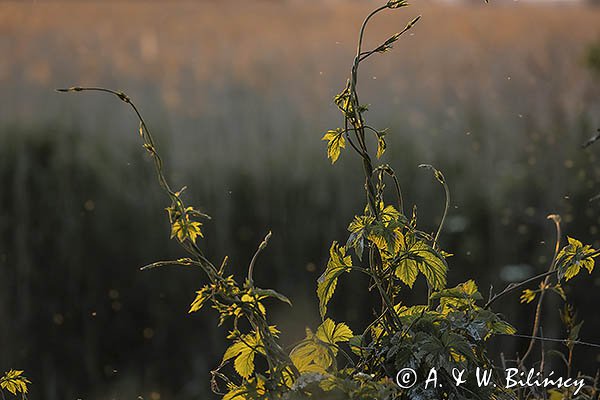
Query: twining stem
x: 150, y: 146
x: 441, y: 179
x: 261, y: 247
x: 445, y: 214
x: 390, y: 172
x: 385, y: 298
x: 354, y: 122
x: 273, y: 352
x: 358, y: 119
x: 144, y: 131
x: 543, y: 287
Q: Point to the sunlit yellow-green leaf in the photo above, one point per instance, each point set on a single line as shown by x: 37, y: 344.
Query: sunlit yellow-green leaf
x: 253, y: 388
x: 201, y: 297
x: 557, y: 395
x: 381, y: 146
x: 184, y: 229
x: 311, y: 356
x: 360, y: 223
x: 317, y: 352
x: 15, y: 382
x: 502, y: 327
x: 389, y: 213
x: 429, y: 262
x: 462, y: 296
x: 244, y: 350
x: 573, y: 257
x: 254, y: 301
x: 386, y: 233
x: 335, y: 143
x: 333, y: 333
x: 236, y: 393
x: 359, y: 228
x: 338, y: 263
x: 404, y: 311
x: 407, y: 271
x: 386, y: 237
x: 528, y: 296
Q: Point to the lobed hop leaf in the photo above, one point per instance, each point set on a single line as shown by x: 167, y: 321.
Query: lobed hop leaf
x: 573, y: 257
x: 184, y: 229
x: 338, y: 263
x: 335, y: 143
x: 244, y: 349
x: 317, y: 352
x: 420, y: 257
x: 461, y: 297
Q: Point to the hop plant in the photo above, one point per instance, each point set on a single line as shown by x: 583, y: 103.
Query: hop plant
x: 386, y: 246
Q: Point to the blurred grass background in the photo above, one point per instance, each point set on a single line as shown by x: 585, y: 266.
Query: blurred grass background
x: 498, y: 96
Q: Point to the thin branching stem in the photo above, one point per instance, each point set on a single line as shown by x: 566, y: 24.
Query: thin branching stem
x: 514, y: 286
x: 552, y: 340
x: 543, y: 287
x: 382, y: 47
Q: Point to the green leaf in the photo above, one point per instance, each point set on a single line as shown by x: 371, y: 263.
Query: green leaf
x: 359, y: 228
x: 338, y: 263
x: 573, y: 257
x: 429, y: 262
x: 389, y: 214
x: 457, y: 346
x: 332, y: 333
x: 202, y: 297
x: 447, y: 347
x: 386, y: 236
x: 253, y: 388
x: 263, y: 293
x: 433, y: 266
x: 184, y: 228
x: 356, y: 346
x: 381, y: 144
x: 243, y: 351
x: 335, y: 143
x: 311, y: 356
x: 462, y: 296
x: 404, y: 311
x: 407, y: 271
x: 502, y: 327
x: 528, y: 296
x: 15, y: 382
x: 317, y: 352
